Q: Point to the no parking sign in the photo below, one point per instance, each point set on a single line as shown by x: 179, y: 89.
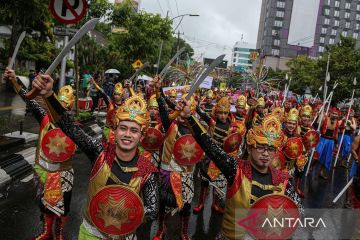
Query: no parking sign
x: 68, y: 11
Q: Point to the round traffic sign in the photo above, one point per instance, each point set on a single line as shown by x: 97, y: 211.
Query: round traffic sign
x: 68, y: 11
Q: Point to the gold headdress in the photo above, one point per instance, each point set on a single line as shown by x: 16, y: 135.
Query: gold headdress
x: 241, y: 101
x: 223, y: 105
x: 66, y: 95
x: 269, y: 133
x: 118, y: 89
x: 134, y: 109
x: 278, y: 112
x: 306, y: 110
x: 260, y: 102
x: 293, y: 115
x: 152, y: 102
x: 172, y: 92
x: 210, y: 94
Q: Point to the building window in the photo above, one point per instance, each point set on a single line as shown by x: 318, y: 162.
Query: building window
x: 322, y: 40
x: 275, y: 52
x: 327, y: 21
x: 275, y: 32
x: 358, y: 17
x: 235, y: 55
x: 344, y: 34
x: 337, y: 3
x: 355, y: 35
x: 321, y: 49
x: 357, y: 27
x: 347, y: 25
x: 347, y: 15
x: 280, y: 4
x: 278, y: 23
x: 327, y: 2
x: 323, y: 30
x: 347, y: 5
x: 333, y: 32
x: 277, y: 42
x: 336, y: 23
x: 327, y: 12
x: 336, y: 13
x: 331, y: 40
x: 280, y: 14
x: 358, y: 7
x: 234, y: 60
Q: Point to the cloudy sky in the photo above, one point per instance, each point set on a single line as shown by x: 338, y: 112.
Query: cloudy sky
x: 219, y: 26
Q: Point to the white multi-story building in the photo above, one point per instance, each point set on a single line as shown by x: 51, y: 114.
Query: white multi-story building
x: 243, y: 55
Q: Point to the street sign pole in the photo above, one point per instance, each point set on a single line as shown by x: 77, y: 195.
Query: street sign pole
x: 63, y: 65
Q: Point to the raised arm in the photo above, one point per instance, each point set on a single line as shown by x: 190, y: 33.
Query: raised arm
x: 92, y: 147
x: 38, y: 111
x: 226, y: 163
x: 150, y: 194
x: 203, y: 115
x: 168, y: 101
x: 164, y: 114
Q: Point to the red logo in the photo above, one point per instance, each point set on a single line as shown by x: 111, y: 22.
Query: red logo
x: 272, y: 216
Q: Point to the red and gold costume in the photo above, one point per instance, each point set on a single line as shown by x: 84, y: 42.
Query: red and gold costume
x: 259, y: 115
x: 53, y: 171
x: 227, y: 135
x: 154, y: 135
x: 176, y: 178
x: 245, y: 183
x: 115, y: 184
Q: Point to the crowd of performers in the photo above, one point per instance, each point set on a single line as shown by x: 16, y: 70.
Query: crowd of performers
x: 143, y: 168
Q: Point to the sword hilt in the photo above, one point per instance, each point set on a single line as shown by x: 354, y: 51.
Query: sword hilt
x: 32, y: 94
x: 174, y: 114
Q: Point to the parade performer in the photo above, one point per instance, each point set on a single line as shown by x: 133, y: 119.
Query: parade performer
x: 179, y: 154
x: 53, y: 171
x: 121, y: 173
x: 293, y: 147
x: 259, y: 112
x: 154, y: 134
x: 349, y: 127
x: 247, y: 180
x: 221, y: 130
x: 354, y: 191
x: 310, y: 140
x: 241, y: 111
x: 240, y: 118
x: 208, y: 104
x: 329, y: 133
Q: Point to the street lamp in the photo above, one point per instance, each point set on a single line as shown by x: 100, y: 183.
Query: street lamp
x: 162, y: 41
x: 182, y: 17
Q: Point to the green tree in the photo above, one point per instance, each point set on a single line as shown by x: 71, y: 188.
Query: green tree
x: 344, y: 67
x: 304, y: 71
x: 142, y: 39
x: 29, y: 16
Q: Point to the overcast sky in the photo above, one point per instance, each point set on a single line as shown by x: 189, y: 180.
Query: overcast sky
x: 219, y: 26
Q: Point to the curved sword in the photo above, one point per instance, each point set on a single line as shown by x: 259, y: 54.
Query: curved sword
x: 202, y: 77
x: 89, y: 25
x: 166, y: 68
x: 17, y: 46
